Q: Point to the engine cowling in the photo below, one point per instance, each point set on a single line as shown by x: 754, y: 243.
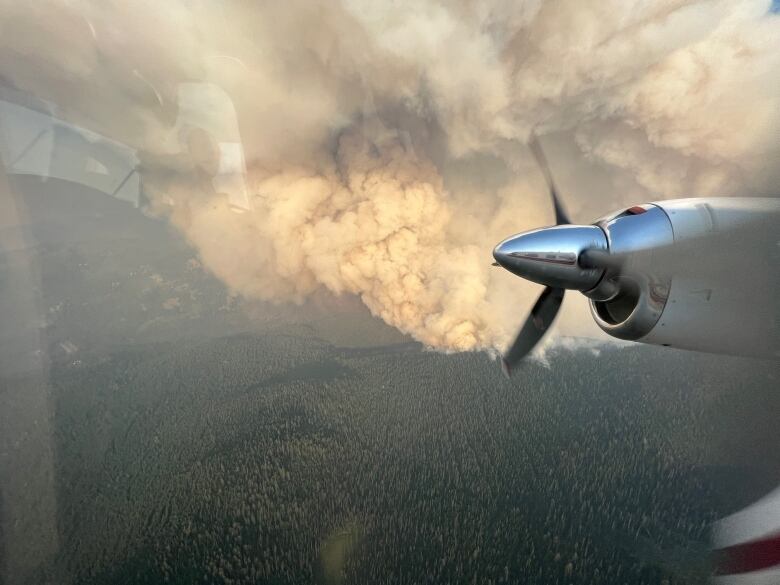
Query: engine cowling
x: 699, y: 274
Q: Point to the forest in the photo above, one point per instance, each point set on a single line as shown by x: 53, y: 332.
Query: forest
x: 286, y: 459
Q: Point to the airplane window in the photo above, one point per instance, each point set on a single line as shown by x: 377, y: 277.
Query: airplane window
x: 249, y: 328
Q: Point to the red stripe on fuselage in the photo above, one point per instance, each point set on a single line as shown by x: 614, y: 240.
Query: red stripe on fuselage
x: 748, y: 557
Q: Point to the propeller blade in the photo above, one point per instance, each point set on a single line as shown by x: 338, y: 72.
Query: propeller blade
x: 539, y: 321
x: 536, y: 149
x: 598, y: 258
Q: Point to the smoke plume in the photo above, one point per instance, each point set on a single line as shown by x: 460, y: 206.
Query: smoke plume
x: 385, y: 141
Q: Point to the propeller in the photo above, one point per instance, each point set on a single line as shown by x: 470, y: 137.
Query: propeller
x: 596, y: 258
x: 542, y: 316
x: 549, y: 302
x: 584, y: 258
x: 536, y: 149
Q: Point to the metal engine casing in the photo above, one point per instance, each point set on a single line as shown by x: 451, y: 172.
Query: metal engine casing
x: 699, y: 274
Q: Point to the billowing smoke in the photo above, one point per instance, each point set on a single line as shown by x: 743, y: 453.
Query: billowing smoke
x: 385, y: 140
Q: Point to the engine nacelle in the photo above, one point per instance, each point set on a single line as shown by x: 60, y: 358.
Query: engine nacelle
x: 699, y: 274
